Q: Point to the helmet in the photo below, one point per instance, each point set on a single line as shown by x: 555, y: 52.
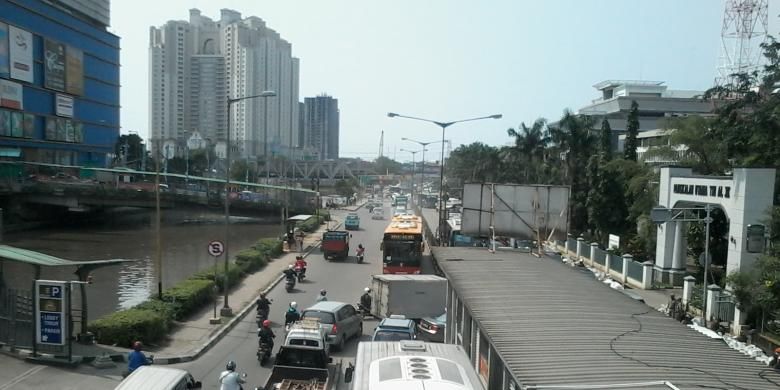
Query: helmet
x: 294, y: 304
x: 262, y: 295
x: 299, y: 257
x: 323, y: 292
x: 266, y: 323
x: 137, y: 345
x: 360, y: 246
x: 367, y: 289
x: 290, y: 266
x: 230, y: 366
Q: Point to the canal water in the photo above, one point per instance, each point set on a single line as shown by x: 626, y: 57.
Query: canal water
x: 130, y: 235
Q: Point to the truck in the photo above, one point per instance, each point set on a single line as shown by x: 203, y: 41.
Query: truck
x: 303, y: 362
x: 414, y: 296
x: 335, y: 244
x: 352, y: 222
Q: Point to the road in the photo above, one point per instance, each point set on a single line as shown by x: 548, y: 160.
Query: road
x: 343, y: 280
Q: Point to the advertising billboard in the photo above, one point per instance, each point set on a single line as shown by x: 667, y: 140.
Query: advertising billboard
x: 74, y: 71
x: 54, y: 65
x: 516, y: 211
x: 11, y: 94
x: 4, y: 61
x: 29, y: 126
x: 20, y: 52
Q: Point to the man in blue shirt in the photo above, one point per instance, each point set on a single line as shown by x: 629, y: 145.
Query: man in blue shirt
x: 136, y: 358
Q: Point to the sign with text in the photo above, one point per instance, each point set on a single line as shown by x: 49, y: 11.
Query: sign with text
x: 614, y: 241
x: 21, y: 54
x: 64, y: 105
x: 702, y: 190
x: 50, y: 314
x: 11, y: 94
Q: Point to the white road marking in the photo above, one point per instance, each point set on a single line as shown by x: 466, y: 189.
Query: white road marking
x: 21, y: 377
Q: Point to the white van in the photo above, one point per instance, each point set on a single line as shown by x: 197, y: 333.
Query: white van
x: 159, y: 378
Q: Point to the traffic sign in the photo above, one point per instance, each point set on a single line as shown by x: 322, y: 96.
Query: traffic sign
x: 50, y: 312
x: 216, y: 248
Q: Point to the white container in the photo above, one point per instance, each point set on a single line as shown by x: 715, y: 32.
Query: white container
x: 414, y: 296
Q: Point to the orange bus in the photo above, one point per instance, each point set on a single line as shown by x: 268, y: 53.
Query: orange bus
x: 402, y: 245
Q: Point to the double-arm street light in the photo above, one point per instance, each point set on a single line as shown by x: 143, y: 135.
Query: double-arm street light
x: 226, y: 310
x: 414, y: 153
x: 444, y: 126
x: 424, y: 145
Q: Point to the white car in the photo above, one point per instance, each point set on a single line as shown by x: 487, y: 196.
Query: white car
x: 378, y: 213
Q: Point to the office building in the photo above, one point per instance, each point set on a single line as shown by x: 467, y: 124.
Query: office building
x: 59, y: 82
x: 321, y: 127
x: 196, y: 65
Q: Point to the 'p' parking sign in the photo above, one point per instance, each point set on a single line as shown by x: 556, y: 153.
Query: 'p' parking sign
x: 50, y: 324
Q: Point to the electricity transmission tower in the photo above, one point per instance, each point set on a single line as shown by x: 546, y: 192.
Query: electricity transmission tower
x: 745, y: 27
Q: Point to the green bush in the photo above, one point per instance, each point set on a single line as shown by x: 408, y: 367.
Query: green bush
x: 188, y: 296
x: 251, y: 260
x: 235, y: 272
x: 270, y: 247
x: 165, y: 309
x: 125, y: 326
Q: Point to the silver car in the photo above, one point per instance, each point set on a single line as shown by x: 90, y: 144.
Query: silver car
x: 339, y: 320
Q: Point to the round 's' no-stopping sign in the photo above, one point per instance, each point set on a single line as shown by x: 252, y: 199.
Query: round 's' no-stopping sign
x: 216, y: 248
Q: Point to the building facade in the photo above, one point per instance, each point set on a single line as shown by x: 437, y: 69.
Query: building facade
x: 59, y: 82
x: 321, y: 127
x: 196, y: 65
x: 656, y: 105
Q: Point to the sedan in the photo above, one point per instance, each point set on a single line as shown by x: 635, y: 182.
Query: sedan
x: 432, y: 328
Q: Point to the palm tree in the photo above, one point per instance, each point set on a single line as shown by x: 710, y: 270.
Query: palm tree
x: 530, y: 144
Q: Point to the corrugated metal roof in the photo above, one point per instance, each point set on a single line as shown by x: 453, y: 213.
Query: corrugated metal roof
x: 556, y: 325
x: 42, y: 259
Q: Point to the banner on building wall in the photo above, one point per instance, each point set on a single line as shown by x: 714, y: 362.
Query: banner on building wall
x: 11, y: 94
x: 51, y: 129
x: 54, y: 65
x: 63, y: 105
x: 29, y: 126
x: 79, y: 133
x: 20, y: 52
x: 4, y: 62
x: 74, y: 71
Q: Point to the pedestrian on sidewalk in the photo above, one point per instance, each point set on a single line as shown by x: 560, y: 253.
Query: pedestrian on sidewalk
x: 299, y: 240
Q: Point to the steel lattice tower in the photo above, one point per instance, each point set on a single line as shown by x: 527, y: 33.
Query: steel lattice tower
x: 745, y: 27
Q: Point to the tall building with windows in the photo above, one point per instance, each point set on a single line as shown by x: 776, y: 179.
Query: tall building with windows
x: 196, y: 65
x: 321, y: 127
x: 59, y: 82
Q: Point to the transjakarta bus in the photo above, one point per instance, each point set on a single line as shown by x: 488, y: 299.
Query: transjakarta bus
x: 402, y: 245
x: 411, y: 364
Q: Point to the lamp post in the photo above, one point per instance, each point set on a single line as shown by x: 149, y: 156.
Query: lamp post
x: 424, y: 145
x: 444, y: 126
x: 661, y: 214
x: 226, y: 311
x: 414, y: 153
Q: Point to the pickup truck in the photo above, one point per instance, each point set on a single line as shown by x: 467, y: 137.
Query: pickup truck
x: 335, y: 244
x: 303, y: 367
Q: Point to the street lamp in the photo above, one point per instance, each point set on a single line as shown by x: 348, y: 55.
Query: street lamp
x: 444, y: 126
x: 661, y: 214
x: 414, y: 153
x: 422, y: 164
x: 226, y: 310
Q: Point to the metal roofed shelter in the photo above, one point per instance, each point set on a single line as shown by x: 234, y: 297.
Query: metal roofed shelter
x: 38, y: 260
x: 529, y: 323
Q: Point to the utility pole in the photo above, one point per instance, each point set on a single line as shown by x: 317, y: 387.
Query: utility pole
x: 158, y: 236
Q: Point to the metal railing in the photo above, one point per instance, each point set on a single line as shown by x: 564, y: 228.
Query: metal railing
x: 600, y: 255
x: 635, y: 270
x: 616, y: 263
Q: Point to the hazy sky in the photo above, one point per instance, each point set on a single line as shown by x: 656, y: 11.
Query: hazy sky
x: 452, y: 59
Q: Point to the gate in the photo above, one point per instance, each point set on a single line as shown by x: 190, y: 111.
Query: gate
x: 16, y: 317
x: 726, y: 304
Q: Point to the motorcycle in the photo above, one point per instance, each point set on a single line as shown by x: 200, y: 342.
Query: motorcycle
x: 264, y: 352
x: 300, y: 272
x: 289, y: 285
x: 262, y: 315
x: 364, y: 311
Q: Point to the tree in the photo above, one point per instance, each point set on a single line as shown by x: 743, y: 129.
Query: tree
x: 384, y: 165
x: 346, y: 187
x: 475, y: 162
x: 530, y: 144
x: 605, y: 141
x: 693, y: 143
x: 129, y: 150
x: 632, y: 131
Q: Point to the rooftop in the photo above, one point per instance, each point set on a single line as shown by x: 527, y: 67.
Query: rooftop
x: 553, y: 324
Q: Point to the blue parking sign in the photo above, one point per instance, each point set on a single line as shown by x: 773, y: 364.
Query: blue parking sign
x: 51, y: 328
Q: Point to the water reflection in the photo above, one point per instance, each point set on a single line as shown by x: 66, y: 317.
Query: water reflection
x: 136, y: 282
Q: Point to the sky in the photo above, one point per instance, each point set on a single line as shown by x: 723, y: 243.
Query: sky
x: 452, y: 59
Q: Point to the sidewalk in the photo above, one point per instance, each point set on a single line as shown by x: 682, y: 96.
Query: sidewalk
x: 193, y: 337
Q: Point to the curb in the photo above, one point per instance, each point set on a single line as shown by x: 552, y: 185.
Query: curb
x: 222, y: 332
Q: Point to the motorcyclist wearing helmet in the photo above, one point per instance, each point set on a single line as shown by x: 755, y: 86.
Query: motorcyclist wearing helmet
x: 322, y: 296
x: 230, y: 379
x: 365, y: 300
x: 292, y: 314
x: 360, y: 250
x: 136, y: 358
x: 263, y: 304
x: 300, y: 264
x: 289, y: 273
x: 266, y: 335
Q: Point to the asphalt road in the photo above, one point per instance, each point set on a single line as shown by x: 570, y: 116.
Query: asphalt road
x: 344, y: 281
